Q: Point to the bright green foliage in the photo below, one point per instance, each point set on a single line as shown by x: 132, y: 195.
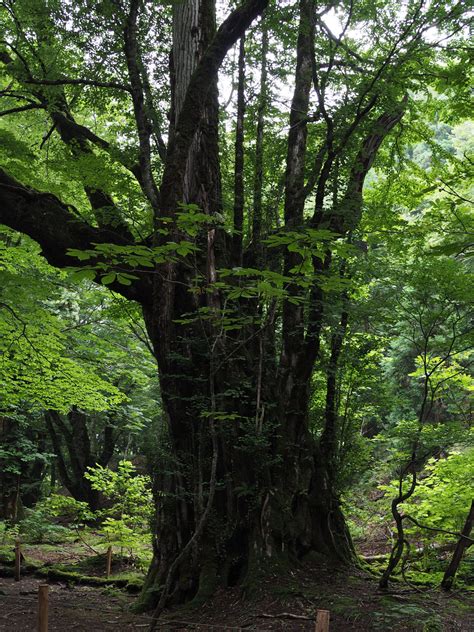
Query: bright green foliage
x: 64, y: 345
x: 440, y: 506
x: 123, y: 522
x: 75, y: 512
x: 443, y: 496
x: 35, y: 364
x: 418, y: 306
x: 126, y: 522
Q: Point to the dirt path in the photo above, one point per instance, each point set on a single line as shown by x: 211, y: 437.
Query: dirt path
x: 81, y: 608
x: 286, y: 604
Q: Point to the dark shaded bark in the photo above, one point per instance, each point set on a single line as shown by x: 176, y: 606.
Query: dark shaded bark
x: 202, y: 81
x: 70, y: 437
x: 21, y: 476
x: 293, y: 329
x: 281, y: 508
x: 464, y: 542
x: 239, y: 193
x: 257, y: 216
x: 57, y: 227
x: 329, y: 438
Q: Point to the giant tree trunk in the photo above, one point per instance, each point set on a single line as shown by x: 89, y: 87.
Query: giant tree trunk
x: 241, y: 485
x: 272, y: 500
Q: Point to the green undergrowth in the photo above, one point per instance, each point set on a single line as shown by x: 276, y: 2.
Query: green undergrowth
x: 393, y: 614
x: 354, y: 598
x: 426, y: 571
x: 7, y: 555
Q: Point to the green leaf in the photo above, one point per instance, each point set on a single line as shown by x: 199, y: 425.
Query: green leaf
x: 109, y: 278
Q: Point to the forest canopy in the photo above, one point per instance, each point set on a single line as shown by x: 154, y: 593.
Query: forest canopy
x: 236, y: 255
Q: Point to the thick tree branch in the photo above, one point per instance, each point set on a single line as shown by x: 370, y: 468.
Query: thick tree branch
x: 106, y: 212
x: 81, y: 133
x: 348, y: 214
x: 75, y: 135
x: 57, y: 229
x: 22, y: 108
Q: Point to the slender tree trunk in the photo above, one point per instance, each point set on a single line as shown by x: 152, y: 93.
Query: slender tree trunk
x: 463, y: 543
x: 329, y: 436
x: 239, y: 193
x: 257, y: 216
x: 401, y: 542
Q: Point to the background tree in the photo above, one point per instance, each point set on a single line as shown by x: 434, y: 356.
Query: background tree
x: 58, y: 416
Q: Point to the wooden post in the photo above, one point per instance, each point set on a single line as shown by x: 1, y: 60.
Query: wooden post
x: 322, y: 621
x: 43, y: 608
x: 17, y: 560
x: 108, y: 568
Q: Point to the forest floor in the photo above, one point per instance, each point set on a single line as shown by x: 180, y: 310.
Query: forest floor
x: 283, y: 601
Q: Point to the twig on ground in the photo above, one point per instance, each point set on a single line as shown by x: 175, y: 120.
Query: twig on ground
x: 283, y: 615
x: 86, y: 543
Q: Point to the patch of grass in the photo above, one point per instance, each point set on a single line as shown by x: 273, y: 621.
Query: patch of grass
x: 457, y: 605
x: 395, y: 615
x: 344, y: 605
